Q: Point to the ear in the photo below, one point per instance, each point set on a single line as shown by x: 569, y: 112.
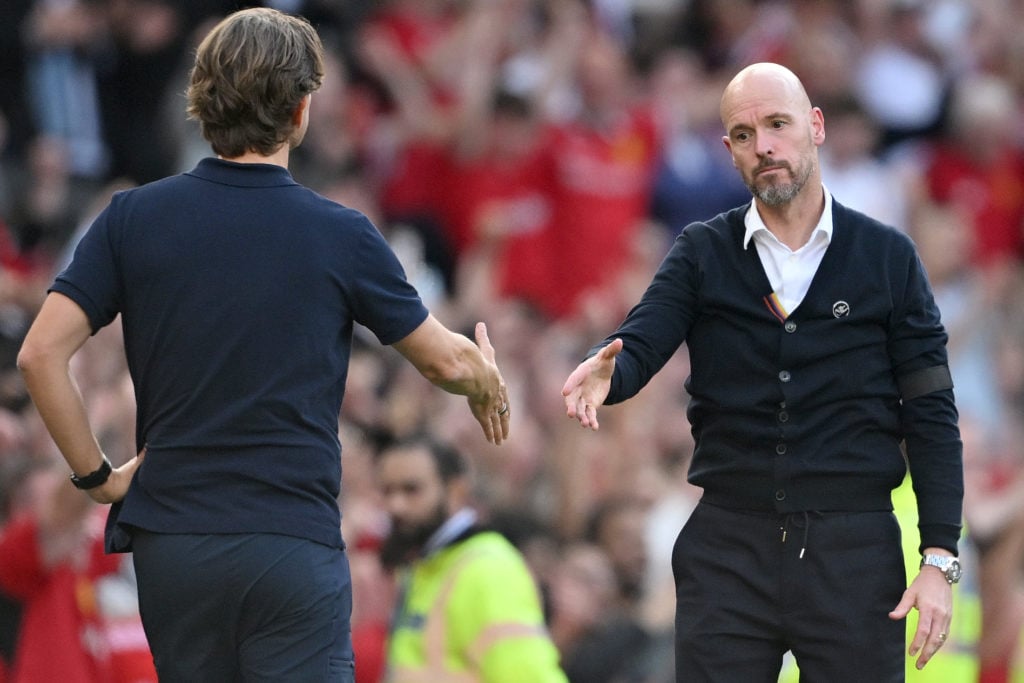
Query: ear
x: 728, y: 146
x: 818, y: 125
x: 458, y: 493
x: 300, y: 110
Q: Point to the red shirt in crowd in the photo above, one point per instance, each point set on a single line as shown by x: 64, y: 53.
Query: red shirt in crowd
x: 992, y: 193
x: 601, y: 184
x: 66, y: 634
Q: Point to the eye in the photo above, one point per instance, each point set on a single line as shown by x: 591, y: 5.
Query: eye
x: 778, y: 123
x: 741, y: 137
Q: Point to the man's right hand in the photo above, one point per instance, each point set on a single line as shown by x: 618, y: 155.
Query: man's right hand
x: 589, y: 384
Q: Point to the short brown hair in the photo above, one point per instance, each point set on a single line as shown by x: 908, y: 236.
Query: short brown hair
x: 251, y: 72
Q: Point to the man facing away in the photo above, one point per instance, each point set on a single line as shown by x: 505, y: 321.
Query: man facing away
x: 238, y: 290
x: 817, y: 355
x: 468, y: 609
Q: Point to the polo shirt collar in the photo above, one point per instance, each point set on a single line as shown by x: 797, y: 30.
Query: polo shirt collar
x: 242, y: 175
x: 754, y: 224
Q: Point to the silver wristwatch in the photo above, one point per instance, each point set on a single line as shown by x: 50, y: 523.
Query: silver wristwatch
x: 949, y: 566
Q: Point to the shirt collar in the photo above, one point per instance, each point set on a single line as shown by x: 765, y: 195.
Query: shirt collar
x: 754, y: 224
x: 242, y: 175
x: 453, y: 527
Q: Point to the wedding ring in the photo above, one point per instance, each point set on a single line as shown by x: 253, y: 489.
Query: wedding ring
x: 504, y: 409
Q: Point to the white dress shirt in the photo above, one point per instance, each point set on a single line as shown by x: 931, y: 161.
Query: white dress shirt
x: 789, y: 272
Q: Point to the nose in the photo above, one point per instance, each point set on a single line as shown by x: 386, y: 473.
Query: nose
x: 764, y: 146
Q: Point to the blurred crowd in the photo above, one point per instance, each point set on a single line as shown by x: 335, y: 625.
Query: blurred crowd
x: 530, y: 161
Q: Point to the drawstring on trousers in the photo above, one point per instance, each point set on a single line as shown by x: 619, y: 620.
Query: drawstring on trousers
x: 805, y: 523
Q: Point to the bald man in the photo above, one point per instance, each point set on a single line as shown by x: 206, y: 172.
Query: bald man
x: 818, y: 377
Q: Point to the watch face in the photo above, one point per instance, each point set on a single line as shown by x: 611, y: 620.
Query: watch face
x: 953, y: 571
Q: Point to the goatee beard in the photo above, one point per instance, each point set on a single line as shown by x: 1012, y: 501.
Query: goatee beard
x: 780, y: 194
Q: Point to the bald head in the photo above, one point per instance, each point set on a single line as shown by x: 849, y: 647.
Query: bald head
x: 763, y: 82
x: 773, y: 133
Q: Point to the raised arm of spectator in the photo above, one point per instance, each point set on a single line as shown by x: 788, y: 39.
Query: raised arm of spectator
x: 457, y: 365
x: 417, y: 111
x: 481, y: 40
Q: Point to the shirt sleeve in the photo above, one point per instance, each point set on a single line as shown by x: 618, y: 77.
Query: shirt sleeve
x: 91, y: 279
x: 929, y: 420
x: 658, y: 324
x: 381, y: 297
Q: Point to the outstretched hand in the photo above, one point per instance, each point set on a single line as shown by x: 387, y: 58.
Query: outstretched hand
x: 491, y: 408
x: 589, y: 384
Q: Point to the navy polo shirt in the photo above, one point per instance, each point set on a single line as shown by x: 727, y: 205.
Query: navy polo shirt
x: 238, y: 290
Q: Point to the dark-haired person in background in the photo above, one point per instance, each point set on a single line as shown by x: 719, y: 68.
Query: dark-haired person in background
x: 238, y: 290
x: 469, y: 608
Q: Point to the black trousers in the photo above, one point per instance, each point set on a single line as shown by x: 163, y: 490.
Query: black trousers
x: 226, y: 608
x: 745, y: 596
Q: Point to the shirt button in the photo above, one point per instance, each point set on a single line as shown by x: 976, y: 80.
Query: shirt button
x: 790, y: 326
x: 781, y: 449
x: 783, y: 416
x: 784, y: 376
x: 780, y: 495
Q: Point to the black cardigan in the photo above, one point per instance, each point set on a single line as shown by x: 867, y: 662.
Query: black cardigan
x: 805, y: 412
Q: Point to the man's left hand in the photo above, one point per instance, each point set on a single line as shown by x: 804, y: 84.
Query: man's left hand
x: 932, y: 596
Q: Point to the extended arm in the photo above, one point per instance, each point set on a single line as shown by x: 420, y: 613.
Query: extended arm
x: 457, y: 365
x: 60, y: 329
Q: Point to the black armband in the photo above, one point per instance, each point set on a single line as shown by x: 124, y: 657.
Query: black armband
x: 924, y: 381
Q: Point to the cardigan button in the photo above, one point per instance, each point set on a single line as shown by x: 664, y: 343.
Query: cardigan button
x: 780, y: 449
x: 780, y: 495
x: 784, y: 376
x: 790, y: 326
x: 783, y: 416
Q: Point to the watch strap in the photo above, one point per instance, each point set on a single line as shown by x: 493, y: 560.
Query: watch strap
x: 93, y: 479
x: 949, y: 566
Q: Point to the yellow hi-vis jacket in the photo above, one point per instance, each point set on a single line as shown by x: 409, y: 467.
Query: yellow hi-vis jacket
x: 471, y: 612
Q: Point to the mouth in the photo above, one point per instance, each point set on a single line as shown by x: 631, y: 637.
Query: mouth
x: 768, y: 169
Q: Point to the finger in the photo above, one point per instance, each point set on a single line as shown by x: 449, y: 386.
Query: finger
x: 903, y: 608
x: 136, y: 462
x: 588, y: 414
x: 921, y: 636
x: 575, y: 379
x: 496, y: 430
x: 611, y: 350
x: 484, y: 342
x: 570, y: 406
x: 581, y: 411
x: 935, y: 641
x: 487, y: 425
x: 505, y: 421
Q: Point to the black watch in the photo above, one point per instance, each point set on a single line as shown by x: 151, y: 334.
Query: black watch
x: 93, y: 479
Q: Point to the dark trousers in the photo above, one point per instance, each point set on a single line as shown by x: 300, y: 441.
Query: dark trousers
x: 745, y: 596
x: 244, y: 607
